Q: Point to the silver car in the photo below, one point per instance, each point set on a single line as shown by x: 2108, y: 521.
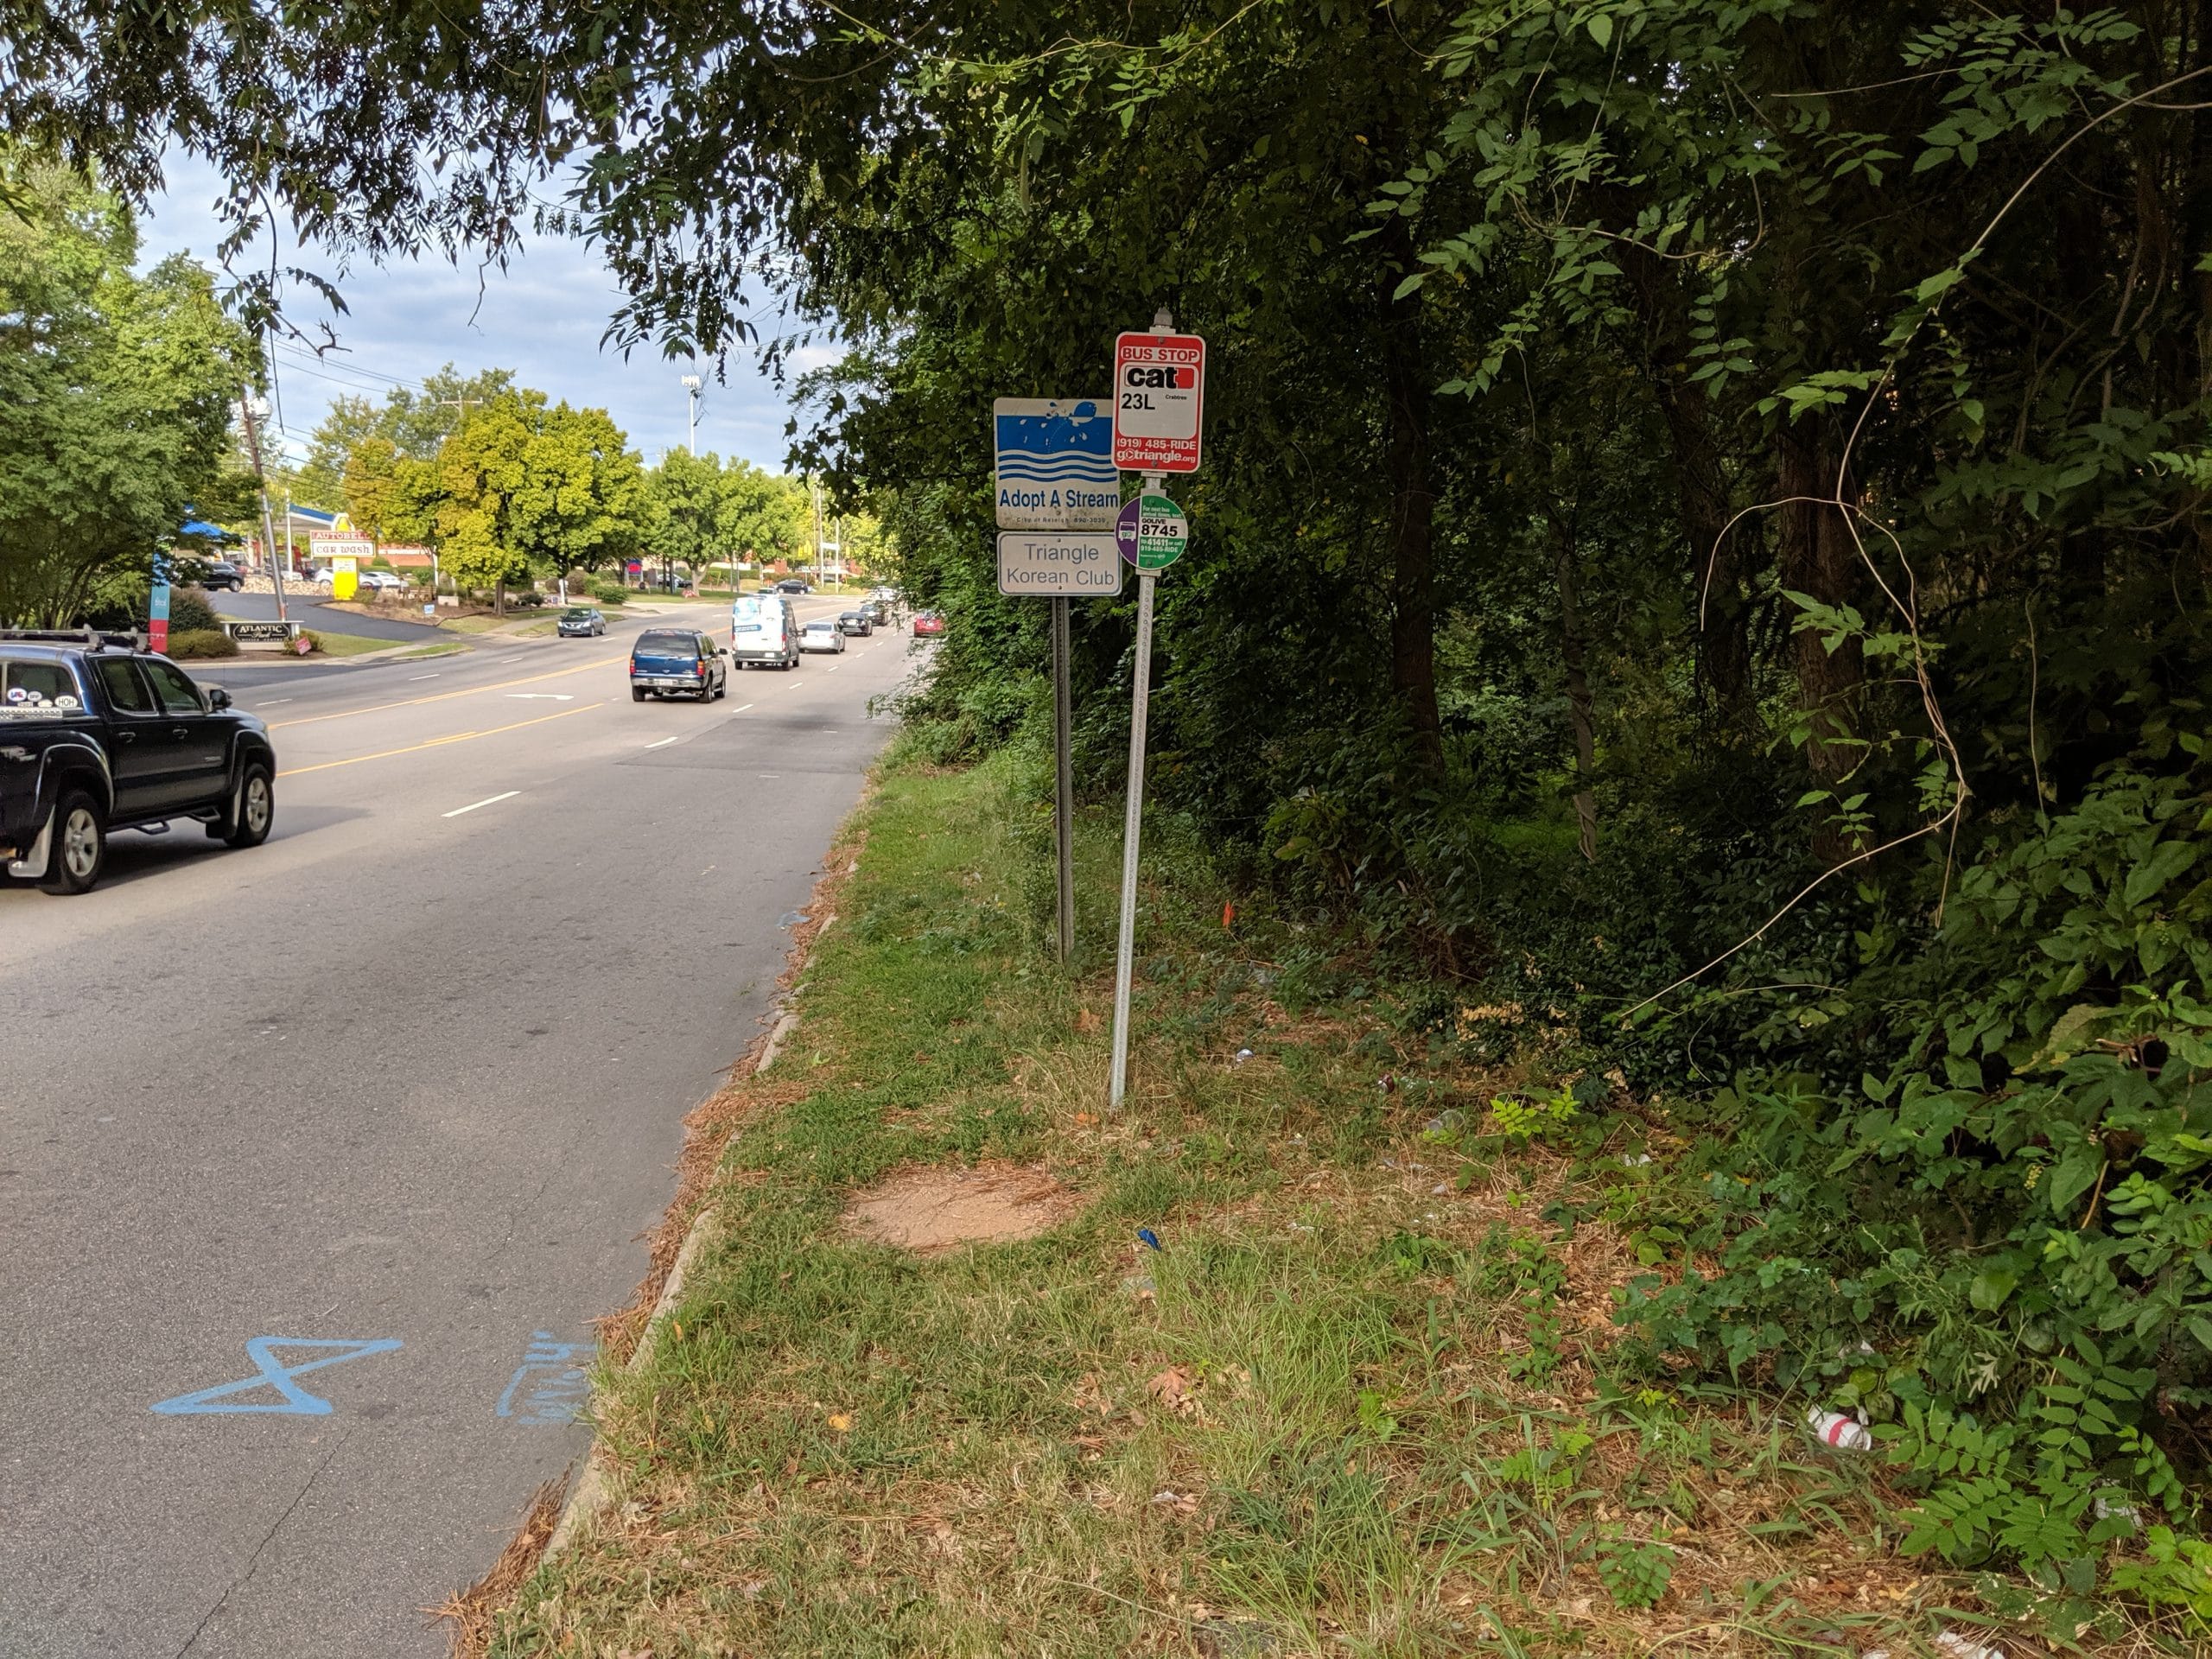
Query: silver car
x: 822, y: 634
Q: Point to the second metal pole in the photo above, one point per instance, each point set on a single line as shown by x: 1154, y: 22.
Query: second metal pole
x: 1063, y: 781
x: 1124, y: 957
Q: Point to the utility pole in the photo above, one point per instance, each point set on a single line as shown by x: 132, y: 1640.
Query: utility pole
x: 268, y: 528
x: 461, y: 403
x: 691, y: 389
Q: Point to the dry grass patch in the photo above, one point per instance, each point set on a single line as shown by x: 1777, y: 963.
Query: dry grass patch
x: 931, y: 1208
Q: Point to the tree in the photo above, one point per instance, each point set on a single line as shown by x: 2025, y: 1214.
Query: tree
x: 521, y: 485
x: 686, y: 492
x: 371, y: 477
x: 763, y: 516
x: 413, y: 422
x: 116, y: 394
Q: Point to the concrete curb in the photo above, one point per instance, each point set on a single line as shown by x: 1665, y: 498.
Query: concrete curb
x: 595, y: 1490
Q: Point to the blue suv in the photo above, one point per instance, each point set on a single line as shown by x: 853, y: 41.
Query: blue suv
x: 677, y: 663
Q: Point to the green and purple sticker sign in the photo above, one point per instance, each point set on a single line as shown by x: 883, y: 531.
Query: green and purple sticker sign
x: 1152, y: 532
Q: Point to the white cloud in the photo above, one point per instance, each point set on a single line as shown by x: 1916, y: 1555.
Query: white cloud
x: 542, y: 317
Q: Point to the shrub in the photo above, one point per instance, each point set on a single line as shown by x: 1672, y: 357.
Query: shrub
x: 311, y: 639
x: 608, y: 593
x: 190, y: 613
x: 529, y: 600
x: 201, y: 642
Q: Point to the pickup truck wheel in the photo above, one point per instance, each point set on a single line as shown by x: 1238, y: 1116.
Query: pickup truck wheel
x: 637, y: 696
x: 79, y: 847
x: 257, y: 808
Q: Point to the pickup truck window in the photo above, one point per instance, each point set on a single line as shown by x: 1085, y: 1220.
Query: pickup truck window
x: 126, y: 692
x: 178, y: 695
x: 37, y: 691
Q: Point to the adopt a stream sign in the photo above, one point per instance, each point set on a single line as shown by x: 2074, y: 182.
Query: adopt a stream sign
x: 1152, y: 532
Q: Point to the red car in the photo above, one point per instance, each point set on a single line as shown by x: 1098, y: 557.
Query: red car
x: 928, y: 622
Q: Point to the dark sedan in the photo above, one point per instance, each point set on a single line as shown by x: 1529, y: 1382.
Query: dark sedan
x: 856, y: 622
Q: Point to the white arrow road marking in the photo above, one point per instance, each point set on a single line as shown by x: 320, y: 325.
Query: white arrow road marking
x: 489, y: 800
x: 543, y: 696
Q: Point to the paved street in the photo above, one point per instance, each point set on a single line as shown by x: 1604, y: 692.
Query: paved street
x: 302, y: 605
x: 406, y: 1080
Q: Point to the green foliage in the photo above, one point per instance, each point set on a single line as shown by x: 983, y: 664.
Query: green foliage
x: 1634, y: 1574
x: 116, y: 391
x: 198, y: 643
x: 190, y: 613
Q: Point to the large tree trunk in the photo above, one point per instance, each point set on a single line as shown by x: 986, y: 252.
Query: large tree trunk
x: 1413, y: 508
x: 1570, y: 650
x: 1719, y: 557
x: 1820, y: 559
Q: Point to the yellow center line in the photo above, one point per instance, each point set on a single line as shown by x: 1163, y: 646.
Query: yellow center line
x: 436, y: 742
x: 447, y: 696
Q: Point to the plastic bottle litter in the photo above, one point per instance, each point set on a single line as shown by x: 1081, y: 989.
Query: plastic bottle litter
x: 1444, y: 1123
x: 2105, y: 1509
x: 1440, y: 1189
x: 1637, y: 1160
x: 1965, y: 1647
x: 1845, y: 1434
x: 1243, y: 1055
x: 1147, y: 1236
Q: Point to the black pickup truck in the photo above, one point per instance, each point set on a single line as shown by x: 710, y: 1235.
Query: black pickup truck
x: 98, y: 734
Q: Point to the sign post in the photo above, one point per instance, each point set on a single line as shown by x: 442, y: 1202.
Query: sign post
x: 1055, y: 473
x: 1158, y: 405
x: 157, y: 608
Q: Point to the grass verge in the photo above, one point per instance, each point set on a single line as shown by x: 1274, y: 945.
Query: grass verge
x: 1366, y: 1398
x: 348, y: 645
x: 445, y: 648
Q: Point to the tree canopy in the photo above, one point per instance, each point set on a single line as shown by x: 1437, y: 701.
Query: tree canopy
x: 116, y: 393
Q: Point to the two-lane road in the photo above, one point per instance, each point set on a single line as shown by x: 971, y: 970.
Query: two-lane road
x: 367, y: 1121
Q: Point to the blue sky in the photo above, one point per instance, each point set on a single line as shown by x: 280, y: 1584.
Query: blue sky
x: 542, y: 318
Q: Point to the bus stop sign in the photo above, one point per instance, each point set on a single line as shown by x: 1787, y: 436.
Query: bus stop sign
x: 1160, y: 394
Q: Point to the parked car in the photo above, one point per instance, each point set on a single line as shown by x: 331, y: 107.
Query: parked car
x: 97, y: 734
x: 221, y: 575
x: 794, y: 585
x: 678, y: 662
x: 384, y: 582
x: 763, y: 631
x: 822, y: 634
x: 582, y: 621
x: 860, y: 622
x: 879, y: 611
x: 928, y: 622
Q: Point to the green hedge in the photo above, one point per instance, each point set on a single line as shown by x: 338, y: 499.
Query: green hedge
x: 201, y: 642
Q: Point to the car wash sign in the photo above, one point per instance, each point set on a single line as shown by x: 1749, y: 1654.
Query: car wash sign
x: 1159, y: 397
x: 1055, y: 464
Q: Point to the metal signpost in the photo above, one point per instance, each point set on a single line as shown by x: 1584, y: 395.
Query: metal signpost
x: 157, y: 609
x: 1159, y: 404
x: 1055, y: 474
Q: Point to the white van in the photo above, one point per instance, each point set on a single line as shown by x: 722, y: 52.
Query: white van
x: 763, y: 629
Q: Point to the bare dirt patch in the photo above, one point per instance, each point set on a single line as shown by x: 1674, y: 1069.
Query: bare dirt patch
x: 930, y: 1210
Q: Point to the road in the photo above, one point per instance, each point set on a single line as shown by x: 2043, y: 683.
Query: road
x: 301, y: 606
x: 406, y: 1082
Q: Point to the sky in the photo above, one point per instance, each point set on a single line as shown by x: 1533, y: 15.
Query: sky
x: 542, y: 318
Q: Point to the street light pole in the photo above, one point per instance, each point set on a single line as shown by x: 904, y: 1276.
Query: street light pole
x: 691, y: 390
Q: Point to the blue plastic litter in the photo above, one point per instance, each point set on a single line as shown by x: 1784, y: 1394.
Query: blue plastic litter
x: 1146, y: 1236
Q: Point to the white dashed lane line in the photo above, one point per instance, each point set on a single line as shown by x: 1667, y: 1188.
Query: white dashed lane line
x: 665, y: 742
x: 489, y: 800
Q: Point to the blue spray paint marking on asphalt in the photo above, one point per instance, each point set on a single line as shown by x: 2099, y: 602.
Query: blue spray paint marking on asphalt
x: 273, y: 1373
x: 552, y: 1385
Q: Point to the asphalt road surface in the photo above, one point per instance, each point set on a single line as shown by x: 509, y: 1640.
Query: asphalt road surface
x: 316, y: 1160
x: 302, y: 606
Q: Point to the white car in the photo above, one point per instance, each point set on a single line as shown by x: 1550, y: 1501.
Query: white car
x: 820, y: 634
x: 381, y: 581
